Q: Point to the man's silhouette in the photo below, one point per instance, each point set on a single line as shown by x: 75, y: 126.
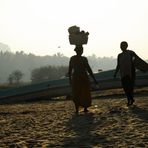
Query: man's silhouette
x: 127, y: 71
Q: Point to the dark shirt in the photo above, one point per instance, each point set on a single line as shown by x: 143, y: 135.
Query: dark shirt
x: 125, y: 63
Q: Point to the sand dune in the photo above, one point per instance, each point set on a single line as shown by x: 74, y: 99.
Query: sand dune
x: 109, y: 123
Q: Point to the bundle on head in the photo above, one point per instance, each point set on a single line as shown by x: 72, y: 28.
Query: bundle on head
x: 77, y: 37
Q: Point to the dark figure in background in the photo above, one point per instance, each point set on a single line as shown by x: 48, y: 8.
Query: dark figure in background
x: 79, y: 80
x: 127, y: 71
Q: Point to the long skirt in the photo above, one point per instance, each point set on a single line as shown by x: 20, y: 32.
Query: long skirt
x: 81, y: 90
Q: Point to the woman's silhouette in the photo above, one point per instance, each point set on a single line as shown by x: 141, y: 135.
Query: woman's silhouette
x: 79, y: 80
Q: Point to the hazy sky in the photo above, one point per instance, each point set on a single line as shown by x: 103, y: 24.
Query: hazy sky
x: 40, y: 26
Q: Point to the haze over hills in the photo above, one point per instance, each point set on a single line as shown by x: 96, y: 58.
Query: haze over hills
x: 4, y: 47
x: 10, y: 62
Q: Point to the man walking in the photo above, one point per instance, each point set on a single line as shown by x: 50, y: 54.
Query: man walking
x: 127, y: 71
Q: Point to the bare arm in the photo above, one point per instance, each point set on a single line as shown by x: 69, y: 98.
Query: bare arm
x: 90, y: 72
x: 70, y: 71
x: 117, y: 67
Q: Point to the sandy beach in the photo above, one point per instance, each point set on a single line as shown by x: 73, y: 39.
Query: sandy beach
x: 53, y: 123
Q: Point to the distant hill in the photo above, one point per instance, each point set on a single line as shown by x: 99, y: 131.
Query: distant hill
x: 10, y: 62
x: 4, y: 47
x: 27, y: 62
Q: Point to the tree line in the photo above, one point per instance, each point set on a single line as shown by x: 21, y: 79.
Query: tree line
x: 18, y: 67
x: 39, y: 74
x: 21, y: 67
x: 48, y: 73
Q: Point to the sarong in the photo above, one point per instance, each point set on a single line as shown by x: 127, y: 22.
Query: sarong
x: 81, y: 90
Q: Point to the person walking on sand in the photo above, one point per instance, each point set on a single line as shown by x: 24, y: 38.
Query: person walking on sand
x: 127, y: 71
x: 79, y: 80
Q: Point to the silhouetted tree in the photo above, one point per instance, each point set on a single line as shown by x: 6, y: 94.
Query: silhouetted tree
x: 48, y: 73
x: 11, y: 79
x: 17, y: 74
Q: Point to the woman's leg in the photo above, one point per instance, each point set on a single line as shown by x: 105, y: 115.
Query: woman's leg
x: 85, y: 109
x: 76, y: 108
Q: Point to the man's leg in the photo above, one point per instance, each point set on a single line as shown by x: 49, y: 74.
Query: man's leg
x: 76, y: 108
x: 132, y: 83
x: 85, y: 109
x: 128, y: 89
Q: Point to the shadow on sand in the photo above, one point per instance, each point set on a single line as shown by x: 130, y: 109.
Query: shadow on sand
x: 83, y: 132
x: 141, y: 113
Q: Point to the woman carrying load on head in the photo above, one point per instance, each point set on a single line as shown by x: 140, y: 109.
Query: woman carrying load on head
x: 79, y: 80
